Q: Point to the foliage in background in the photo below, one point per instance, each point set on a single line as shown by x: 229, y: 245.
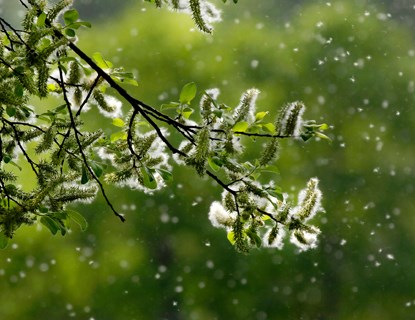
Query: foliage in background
x: 166, y: 262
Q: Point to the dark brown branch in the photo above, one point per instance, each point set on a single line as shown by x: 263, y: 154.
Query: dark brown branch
x: 130, y: 135
x: 28, y: 159
x: 81, y: 150
x: 135, y: 103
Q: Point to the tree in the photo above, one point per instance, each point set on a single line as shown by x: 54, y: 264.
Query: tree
x: 70, y: 163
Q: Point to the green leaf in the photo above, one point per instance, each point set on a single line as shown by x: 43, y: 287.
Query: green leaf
x: 187, y: 112
x: 50, y: 224
x: 5, y: 40
x: 254, y: 237
x: 148, y: 179
x: 96, y: 168
x: 324, y: 126
x: 166, y: 175
x: 84, y: 178
x: 61, y: 109
x: 231, y: 237
x: 322, y: 135
x: 70, y: 32
x: 255, y: 128
x: 260, y: 115
x: 78, y: 219
x: 70, y: 16
x: 11, y: 111
x: 188, y: 93
x: 43, y: 210
x: 270, y: 127
x: 3, y: 241
x: 18, y: 90
x: 124, y: 77
x: 213, y: 164
x: 14, y: 164
x: 240, y: 126
x: 171, y: 105
x: 120, y: 135
x: 264, y: 217
x: 76, y: 25
x: 58, y: 220
x: 99, y: 60
x: 41, y: 20
x: 277, y: 193
x: 118, y: 122
x: 7, y: 158
x: 26, y: 110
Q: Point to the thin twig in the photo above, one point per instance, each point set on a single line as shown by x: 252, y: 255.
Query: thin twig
x: 81, y: 150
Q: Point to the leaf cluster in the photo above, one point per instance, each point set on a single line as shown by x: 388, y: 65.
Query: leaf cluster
x: 70, y: 163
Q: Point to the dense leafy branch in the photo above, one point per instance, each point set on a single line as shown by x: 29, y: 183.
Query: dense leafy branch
x: 70, y: 163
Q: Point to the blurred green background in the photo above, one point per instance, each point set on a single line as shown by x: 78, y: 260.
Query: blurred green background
x: 353, y: 65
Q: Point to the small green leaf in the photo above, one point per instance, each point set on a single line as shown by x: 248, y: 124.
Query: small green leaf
x: 43, y: 210
x: 96, y: 168
x: 70, y: 16
x: 148, y: 179
x: 85, y: 24
x: 213, y: 165
x: 11, y: 111
x: 166, y: 175
x: 322, y: 135
x: 15, y: 164
x: 171, y: 105
x: 124, y: 77
x: 231, y: 237
x: 241, y: 126
x: 58, y: 220
x: 26, y: 110
x: 255, y: 128
x: 52, y: 87
x: 120, y: 135
x: 218, y: 113
x: 76, y: 25
x: 41, y: 20
x: 84, y: 178
x: 254, y: 237
x: 118, y: 122
x: 70, y: 32
x: 324, y: 126
x: 187, y: 112
x: 277, y: 193
x: 99, y: 60
x: 270, y: 127
x: 264, y: 217
x: 18, y: 90
x: 61, y: 109
x: 5, y: 40
x: 260, y: 115
x: 50, y: 224
x: 188, y: 93
x: 78, y: 219
x: 7, y: 158
x: 3, y: 241
x: 132, y: 82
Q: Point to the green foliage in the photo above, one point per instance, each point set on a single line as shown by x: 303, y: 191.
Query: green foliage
x: 345, y: 276
x: 203, y: 12
x: 71, y: 163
